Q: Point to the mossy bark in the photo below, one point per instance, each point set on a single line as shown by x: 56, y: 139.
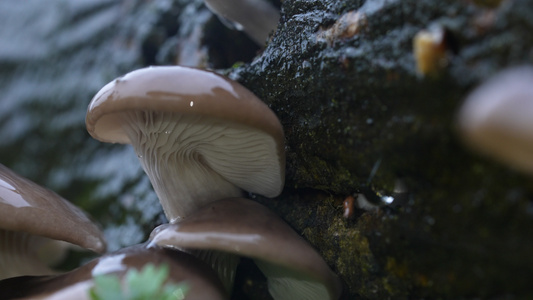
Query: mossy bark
x: 352, y: 102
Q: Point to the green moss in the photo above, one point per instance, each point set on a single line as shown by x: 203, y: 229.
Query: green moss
x: 352, y: 103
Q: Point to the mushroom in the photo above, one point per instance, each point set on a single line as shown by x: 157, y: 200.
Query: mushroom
x: 37, y: 225
x: 199, y: 136
x: 258, y: 18
x: 238, y: 226
x: 430, y: 50
x: 496, y: 118
x: 201, y: 281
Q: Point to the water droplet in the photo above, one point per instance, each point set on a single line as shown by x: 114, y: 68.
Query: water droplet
x: 387, y: 199
x: 139, y: 156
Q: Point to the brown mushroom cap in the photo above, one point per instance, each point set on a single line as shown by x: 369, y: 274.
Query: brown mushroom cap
x: 173, y: 89
x: 239, y: 226
x: 497, y: 118
x: 34, y: 218
x: 258, y: 18
x: 28, y: 207
x: 200, y: 137
x: 200, y: 279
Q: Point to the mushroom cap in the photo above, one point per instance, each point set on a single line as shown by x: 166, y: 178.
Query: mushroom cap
x: 206, y: 96
x: 201, y: 280
x: 33, y: 209
x: 496, y: 118
x: 258, y: 18
x: 247, y: 228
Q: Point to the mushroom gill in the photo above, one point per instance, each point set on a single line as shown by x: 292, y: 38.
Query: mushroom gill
x: 199, y: 136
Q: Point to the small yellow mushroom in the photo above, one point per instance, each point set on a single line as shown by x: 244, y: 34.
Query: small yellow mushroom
x: 430, y: 51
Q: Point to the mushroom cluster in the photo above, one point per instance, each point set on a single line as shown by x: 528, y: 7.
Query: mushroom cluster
x: 199, y: 136
x: 203, y: 140
x: 201, y: 281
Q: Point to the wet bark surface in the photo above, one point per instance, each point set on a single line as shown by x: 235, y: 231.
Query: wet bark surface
x: 358, y: 119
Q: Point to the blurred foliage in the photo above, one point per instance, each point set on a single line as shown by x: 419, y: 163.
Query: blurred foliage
x: 147, y: 284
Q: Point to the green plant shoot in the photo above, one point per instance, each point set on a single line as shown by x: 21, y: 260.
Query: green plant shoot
x: 147, y: 284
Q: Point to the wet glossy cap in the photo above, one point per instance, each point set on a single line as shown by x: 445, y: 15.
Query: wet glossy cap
x: 497, y: 118
x: 240, y: 226
x: 201, y: 281
x: 258, y: 18
x: 218, y: 123
x: 30, y: 208
x: 181, y: 90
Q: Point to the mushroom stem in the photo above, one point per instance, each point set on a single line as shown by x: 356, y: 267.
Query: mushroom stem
x: 26, y: 254
x: 200, y: 136
x: 169, y: 165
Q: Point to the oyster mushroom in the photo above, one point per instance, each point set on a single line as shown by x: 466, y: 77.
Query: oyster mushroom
x: 294, y: 270
x: 496, y: 118
x: 199, y: 136
x: 258, y: 18
x: 201, y: 281
x: 37, y: 226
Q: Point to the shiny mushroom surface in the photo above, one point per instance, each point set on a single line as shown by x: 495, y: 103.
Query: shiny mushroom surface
x: 37, y: 226
x: 294, y: 270
x: 496, y: 118
x: 199, y: 136
x: 258, y: 18
x: 202, y: 283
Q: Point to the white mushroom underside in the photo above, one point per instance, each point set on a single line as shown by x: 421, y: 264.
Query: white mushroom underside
x: 284, y: 284
x: 192, y: 160
x: 25, y: 254
x: 224, y: 264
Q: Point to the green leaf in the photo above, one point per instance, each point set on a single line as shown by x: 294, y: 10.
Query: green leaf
x: 147, y: 284
x: 175, y: 291
x: 106, y: 287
